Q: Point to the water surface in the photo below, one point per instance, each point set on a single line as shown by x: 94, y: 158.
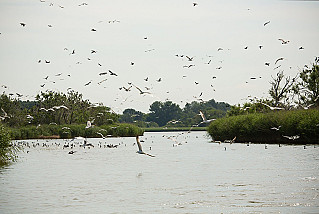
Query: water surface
x: 196, y: 176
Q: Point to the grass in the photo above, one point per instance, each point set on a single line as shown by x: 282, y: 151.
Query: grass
x: 256, y: 127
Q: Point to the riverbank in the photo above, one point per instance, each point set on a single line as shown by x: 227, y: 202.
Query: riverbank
x: 174, y: 129
x: 71, y: 131
x: 287, y: 127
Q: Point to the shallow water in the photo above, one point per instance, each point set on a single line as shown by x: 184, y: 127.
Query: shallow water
x: 194, y: 177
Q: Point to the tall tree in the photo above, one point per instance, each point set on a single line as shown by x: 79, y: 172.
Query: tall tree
x: 309, y: 87
x: 161, y: 112
x: 281, y: 86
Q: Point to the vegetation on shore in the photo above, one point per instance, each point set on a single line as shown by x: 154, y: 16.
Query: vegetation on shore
x: 290, y: 116
x: 174, y: 129
x: 7, y: 151
x: 272, y: 127
x: 72, y: 131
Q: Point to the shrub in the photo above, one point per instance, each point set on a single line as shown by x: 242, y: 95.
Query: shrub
x: 257, y: 127
x: 7, y: 150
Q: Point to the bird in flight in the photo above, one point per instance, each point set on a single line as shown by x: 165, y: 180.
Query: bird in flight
x: 188, y: 66
x: 22, y: 24
x: 195, y: 4
x: 204, y: 118
x: 190, y: 58
x: 272, y: 108
x: 275, y: 128
x: 266, y: 23
x: 100, y: 134
x: 279, y: 59
x: 283, y: 42
x: 292, y: 137
x: 88, y: 83
x: 88, y: 124
x: 141, y: 92
x: 112, y: 73
x: 103, y: 73
x: 140, y: 150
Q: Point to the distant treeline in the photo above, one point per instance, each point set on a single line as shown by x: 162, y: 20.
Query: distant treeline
x: 58, y: 108
x: 170, y: 114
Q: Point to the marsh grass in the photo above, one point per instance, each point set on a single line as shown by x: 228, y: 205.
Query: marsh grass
x: 256, y: 127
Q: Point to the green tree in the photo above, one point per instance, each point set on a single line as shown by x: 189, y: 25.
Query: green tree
x: 161, y: 112
x: 309, y: 87
x: 131, y: 115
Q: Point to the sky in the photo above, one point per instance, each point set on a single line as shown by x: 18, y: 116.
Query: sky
x: 146, y: 42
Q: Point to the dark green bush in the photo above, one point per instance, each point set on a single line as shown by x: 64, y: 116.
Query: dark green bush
x: 257, y: 127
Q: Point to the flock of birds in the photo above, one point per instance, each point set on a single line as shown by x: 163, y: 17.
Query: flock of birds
x: 75, y: 141
x: 189, y: 62
x: 76, y: 144
x: 146, y: 90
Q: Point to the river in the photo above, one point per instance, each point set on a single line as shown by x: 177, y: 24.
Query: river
x: 188, y: 174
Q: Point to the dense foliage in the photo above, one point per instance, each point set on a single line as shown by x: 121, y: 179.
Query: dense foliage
x: 7, y: 151
x: 293, y: 107
x: 170, y: 114
x: 261, y: 127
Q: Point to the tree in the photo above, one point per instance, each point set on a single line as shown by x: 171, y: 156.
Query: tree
x: 281, y: 86
x: 309, y: 87
x: 161, y: 112
x: 131, y: 115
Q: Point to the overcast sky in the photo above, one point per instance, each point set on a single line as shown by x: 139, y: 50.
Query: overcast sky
x: 150, y: 34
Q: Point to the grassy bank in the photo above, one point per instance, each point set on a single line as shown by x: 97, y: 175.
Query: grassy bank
x: 71, y: 131
x: 256, y: 128
x: 174, y: 129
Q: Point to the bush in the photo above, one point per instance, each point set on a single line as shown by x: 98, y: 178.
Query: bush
x: 257, y: 127
x: 7, y: 151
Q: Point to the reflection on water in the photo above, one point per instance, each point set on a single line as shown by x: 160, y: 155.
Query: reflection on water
x: 188, y: 175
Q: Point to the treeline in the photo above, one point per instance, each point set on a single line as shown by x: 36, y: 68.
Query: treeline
x: 54, y: 108
x: 170, y: 114
x: 57, y: 108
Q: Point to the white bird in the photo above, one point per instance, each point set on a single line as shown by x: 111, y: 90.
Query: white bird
x: 275, y: 128
x: 204, y: 118
x: 273, y: 108
x: 140, y: 150
x: 61, y: 106
x: 142, y: 92
x: 100, y: 134
x: 292, y: 137
x: 88, y: 124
